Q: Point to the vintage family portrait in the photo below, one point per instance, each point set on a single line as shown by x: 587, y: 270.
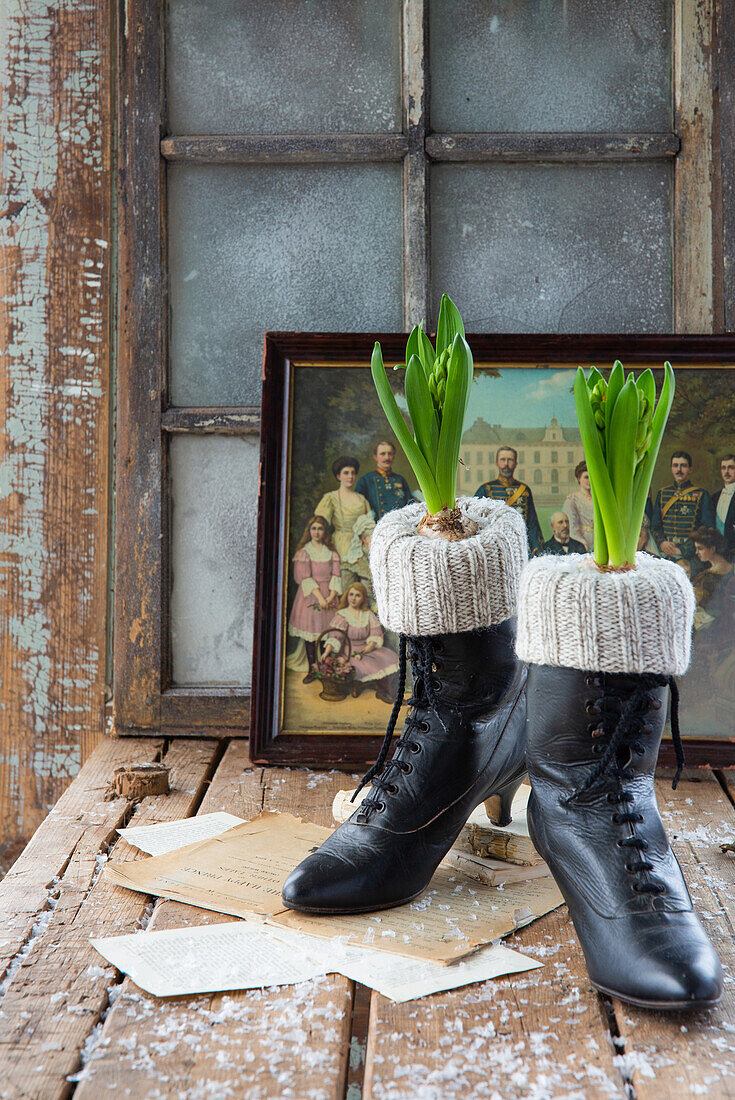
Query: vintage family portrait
x: 522, y: 445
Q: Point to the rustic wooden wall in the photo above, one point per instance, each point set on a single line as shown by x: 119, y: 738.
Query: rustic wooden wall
x: 56, y: 260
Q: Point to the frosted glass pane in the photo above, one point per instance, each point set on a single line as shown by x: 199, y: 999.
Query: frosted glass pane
x: 253, y: 248
x: 497, y: 65
x: 554, y: 248
x: 214, y: 489
x: 236, y: 66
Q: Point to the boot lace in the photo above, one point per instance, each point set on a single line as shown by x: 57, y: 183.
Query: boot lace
x: 425, y: 691
x: 627, y: 735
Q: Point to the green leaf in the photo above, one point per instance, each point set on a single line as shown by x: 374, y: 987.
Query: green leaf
x: 426, y: 352
x: 610, y: 536
x: 449, y: 324
x: 614, y: 386
x: 593, y: 378
x: 421, y: 409
x: 621, y: 459
x: 424, y: 474
x: 413, y: 343
x: 644, y: 473
x: 452, y: 424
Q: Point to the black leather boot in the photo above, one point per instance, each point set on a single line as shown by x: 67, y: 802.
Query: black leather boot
x: 462, y: 744
x: 593, y: 741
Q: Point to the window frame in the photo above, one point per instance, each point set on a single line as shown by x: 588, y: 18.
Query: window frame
x: 145, y: 700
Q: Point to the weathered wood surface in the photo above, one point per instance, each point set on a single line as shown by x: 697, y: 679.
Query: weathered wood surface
x: 60, y: 989
x: 416, y: 251
x: 140, y: 467
x: 544, y: 1035
x: 225, y: 420
x: 260, y: 1044
x: 55, y: 259
x: 541, y: 1034
x: 136, y: 781
x: 284, y: 148
x: 693, y: 169
x: 82, y: 819
x: 724, y: 176
x: 567, y: 148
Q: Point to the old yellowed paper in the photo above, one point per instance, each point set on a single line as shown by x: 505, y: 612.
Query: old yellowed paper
x: 239, y: 872
x: 451, y: 919
x: 404, y: 978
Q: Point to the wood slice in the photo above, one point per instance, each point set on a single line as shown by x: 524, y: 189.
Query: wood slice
x: 136, y: 781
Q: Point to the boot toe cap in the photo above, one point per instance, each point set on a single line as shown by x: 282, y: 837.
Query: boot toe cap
x: 326, y: 882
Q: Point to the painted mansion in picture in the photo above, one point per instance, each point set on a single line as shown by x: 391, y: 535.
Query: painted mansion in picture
x: 546, y: 458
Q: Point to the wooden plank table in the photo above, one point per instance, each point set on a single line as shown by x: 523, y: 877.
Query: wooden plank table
x: 71, y: 1025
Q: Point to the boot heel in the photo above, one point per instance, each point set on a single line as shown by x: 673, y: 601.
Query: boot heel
x: 498, y: 806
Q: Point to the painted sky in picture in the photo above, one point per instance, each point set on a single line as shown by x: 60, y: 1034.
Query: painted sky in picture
x: 524, y: 397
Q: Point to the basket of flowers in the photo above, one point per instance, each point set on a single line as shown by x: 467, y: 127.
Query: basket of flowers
x: 333, y: 667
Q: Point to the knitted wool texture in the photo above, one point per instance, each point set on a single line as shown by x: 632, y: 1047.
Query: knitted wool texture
x: 570, y: 614
x: 431, y: 586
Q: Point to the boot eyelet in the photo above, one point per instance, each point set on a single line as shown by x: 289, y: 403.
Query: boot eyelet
x: 591, y: 707
x: 597, y: 749
x: 436, y: 683
x: 380, y: 807
x: 436, y: 666
x: 591, y: 681
x: 392, y: 788
x: 414, y: 746
x: 596, y: 731
x: 654, y: 704
x: 406, y: 767
x: 424, y: 726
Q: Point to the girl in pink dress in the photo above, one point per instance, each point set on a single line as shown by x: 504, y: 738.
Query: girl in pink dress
x: 316, y: 570
x: 372, y: 661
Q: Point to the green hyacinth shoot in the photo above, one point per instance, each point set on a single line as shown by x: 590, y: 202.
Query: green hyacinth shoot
x: 622, y: 427
x: 438, y: 382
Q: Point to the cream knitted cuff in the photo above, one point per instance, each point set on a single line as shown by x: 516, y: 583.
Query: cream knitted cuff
x: 431, y: 586
x: 571, y: 614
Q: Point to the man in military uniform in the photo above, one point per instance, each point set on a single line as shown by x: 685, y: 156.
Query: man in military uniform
x: 384, y: 490
x: 514, y: 493
x: 724, y: 505
x: 679, y: 509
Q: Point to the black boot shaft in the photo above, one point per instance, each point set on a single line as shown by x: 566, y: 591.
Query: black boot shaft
x: 593, y: 740
x: 460, y: 664
x: 580, y: 712
x: 462, y: 743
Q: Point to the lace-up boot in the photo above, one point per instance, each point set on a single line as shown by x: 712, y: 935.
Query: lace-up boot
x: 463, y: 741
x: 593, y: 742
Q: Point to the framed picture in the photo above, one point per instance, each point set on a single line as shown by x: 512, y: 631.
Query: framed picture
x: 324, y: 669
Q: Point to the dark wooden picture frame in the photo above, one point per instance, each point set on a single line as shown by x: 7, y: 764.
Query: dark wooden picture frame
x: 281, y: 352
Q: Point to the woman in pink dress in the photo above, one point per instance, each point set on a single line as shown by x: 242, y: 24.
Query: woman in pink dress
x: 372, y: 661
x: 316, y: 570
